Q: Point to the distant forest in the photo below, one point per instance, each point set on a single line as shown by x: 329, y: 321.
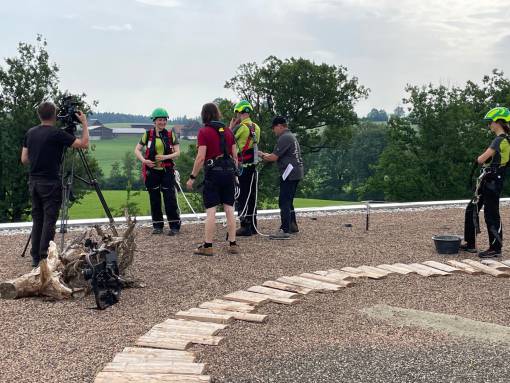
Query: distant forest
x: 109, y: 117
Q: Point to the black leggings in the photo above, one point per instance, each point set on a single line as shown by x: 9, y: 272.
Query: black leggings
x: 490, y: 191
x: 160, y: 182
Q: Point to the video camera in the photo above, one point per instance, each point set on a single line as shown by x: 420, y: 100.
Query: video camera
x: 67, y: 113
x: 102, y: 271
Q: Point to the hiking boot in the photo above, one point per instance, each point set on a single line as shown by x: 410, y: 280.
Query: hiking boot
x: 280, y: 234
x: 490, y: 253
x: 173, y: 232
x: 467, y: 248
x: 243, y: 231
x: 234, y: 249
x: 35, y: 262
x: 157, y: 230
x: 201, y: 250
x: 293, y: 228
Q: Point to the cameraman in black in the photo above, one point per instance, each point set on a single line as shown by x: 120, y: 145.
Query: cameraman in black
x: 43, y: 147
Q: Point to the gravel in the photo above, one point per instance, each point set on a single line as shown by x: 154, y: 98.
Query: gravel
x: 325, y: 338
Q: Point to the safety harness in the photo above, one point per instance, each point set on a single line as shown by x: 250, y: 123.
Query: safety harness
x: 150, y: 151
x: 225, y: 161
x: 249, y: 155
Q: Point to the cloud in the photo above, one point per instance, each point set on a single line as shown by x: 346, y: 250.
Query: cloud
x: 113, y: 27
x: 160, y: 3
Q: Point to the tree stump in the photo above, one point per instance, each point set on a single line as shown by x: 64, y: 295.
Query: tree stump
x: 61, y: 277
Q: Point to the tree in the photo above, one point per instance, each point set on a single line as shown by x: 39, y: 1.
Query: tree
x: 377, y: 115
x: 430, y: 151
x: 27, y: 79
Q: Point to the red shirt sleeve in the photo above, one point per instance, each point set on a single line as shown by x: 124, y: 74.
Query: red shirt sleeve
x: 201, y: 139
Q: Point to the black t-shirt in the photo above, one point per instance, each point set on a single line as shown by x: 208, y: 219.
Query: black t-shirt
x: 45, y: 146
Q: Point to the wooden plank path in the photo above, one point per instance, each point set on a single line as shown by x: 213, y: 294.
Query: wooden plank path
x: 161, y: 355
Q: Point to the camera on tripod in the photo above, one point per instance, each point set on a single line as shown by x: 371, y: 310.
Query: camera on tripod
x: 67, y: 113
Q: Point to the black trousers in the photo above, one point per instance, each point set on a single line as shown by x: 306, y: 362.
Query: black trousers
x: 490, y: 191
x: 286, y: 203
x: 160, y: 182
x: 46, y: 200
x: 245, y: 179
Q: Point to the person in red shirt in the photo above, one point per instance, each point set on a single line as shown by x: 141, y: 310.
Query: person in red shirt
x: 217, y: 153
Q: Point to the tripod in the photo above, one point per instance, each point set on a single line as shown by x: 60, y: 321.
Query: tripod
x: 67, y: 181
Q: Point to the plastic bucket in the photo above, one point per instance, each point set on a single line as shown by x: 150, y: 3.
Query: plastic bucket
x: 447, y: 244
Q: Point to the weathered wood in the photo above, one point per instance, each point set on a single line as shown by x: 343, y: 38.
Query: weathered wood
x: 247, y: 297
x: 169, y: 344
x: 157, y: 368
x: 362, y: 273
x: 219, y: 306
x: 194, y: 324
x: 287, y: 287
x: 419, y: 270
x: 186, y: 330
x: 506, y: 262
x: 486, y: 269
x: 442, y: 267
x: 187, y: 336
x: 395, y: 269
x: 352, y: 276
x: 158, y: 353
x: 273, y: 292
x: 308, y: 283
x: 375, y: 270
x: 464, y: 267
x: 244, y: 316
x: 336, y: 275
x: 205, y: 316
x: 234, y: 304
x: 327, y: 279
x: 496, y: 265
x: 137, y: 358
x: 429, y: 269
x: 130, y: 377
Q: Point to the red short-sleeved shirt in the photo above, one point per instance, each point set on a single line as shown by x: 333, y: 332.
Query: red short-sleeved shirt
x: 209, y: 137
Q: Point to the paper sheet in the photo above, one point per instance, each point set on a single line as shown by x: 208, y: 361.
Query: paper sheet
x: 287, y: 171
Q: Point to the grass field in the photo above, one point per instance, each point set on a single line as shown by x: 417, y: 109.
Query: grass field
x: 108, y: 151
x: 89, y: 206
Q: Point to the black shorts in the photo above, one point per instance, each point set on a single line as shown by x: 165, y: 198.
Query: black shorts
x: 218, y: 188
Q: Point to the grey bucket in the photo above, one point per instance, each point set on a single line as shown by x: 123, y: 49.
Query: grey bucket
x: 447, y: 244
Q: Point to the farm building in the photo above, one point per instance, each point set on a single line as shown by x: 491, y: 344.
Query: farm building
x: 100, y: 132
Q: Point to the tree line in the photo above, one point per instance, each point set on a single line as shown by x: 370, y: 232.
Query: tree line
x: 421, y: 151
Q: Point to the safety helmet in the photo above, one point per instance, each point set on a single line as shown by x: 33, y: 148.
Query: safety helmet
x: 159, y: 113
x: 243, y: 106
x: 498, y: 113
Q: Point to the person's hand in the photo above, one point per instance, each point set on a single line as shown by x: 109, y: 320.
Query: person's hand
x: 149, y: 163
x: 162, y: 157
x: 189, y: 184
x: 233, y: 122
x: 82, y: 117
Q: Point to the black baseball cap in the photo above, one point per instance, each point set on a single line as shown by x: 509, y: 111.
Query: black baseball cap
x: 279, y: 120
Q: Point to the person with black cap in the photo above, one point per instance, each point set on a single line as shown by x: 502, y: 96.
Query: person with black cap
x: 287, y: 154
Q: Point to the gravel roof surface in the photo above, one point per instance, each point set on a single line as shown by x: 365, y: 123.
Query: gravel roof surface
x: 325, y: 338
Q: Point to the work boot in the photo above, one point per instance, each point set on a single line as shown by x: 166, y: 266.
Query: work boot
x: 467, y: 248
x: 243, y: 231
x: 490, y: 253
x: 201, y: 250
x: 294, y: 228
x: 173, y: 232
x: 35, y: 261
x: 280, y: 234
x: 234, y: 249
x: 157, y: 230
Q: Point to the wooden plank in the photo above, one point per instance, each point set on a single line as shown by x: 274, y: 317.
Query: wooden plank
x: 157, y: 368
x: 464, y: 267
x: 169, y: 344
x: 185, y: 329
x: 336, y: 275
x: 130, y: 377
x: 135, y: 358
x: 430, y: 269
x: 362, y: 273
x: 443, y: 267
x: 205, y: 317
x: 308, y: 283
x: 273, y: 292
x: 495, y: 265
x: 421, y: 271
x: 352, y: 276
x: 287, y: 287
x: 220, y: 304
x: 242, y: 295
x: 375, y: 270
x: 194, y: 324
x: 193, y: 338
x: 506, y: 262
x: 395, y: 269
x: 158, y: 353
x: 486, y: 269
x: 327, y: 279
x: 247, y: 297
x: 248, y: 317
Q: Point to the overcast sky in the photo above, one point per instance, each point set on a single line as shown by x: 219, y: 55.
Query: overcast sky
x: 135, y: 55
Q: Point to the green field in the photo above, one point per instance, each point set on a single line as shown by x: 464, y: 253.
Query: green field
x: 106, y: 152
x: 89, y: 206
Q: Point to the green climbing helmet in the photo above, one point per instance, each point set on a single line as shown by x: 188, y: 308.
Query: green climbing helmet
x: 498, y: 113
x: 159, y: 113
x: 243, y: 106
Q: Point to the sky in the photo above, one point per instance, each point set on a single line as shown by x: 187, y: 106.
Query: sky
x: 134, y: 55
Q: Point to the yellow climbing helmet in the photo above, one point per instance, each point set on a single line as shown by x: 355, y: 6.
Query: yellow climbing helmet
x: 498, y: 113
x: 243, y: 106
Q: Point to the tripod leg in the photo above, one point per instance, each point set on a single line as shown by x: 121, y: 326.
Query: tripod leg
x: 26, y: 245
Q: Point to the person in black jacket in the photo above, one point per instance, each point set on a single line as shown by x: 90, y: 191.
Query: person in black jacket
x: 43, y: 147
